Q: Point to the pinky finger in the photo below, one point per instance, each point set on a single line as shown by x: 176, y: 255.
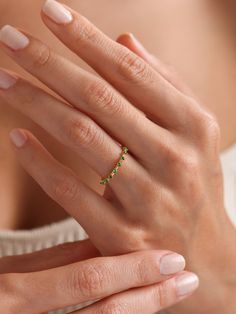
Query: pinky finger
x: 150, y: 299
x: 128, y: 40
x: 88, y: 207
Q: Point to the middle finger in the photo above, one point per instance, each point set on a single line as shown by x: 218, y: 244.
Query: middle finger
x: 85, y: 91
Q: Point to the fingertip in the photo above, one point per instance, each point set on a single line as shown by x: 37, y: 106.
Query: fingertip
x: 172, y: 263
x: 130, y: 41
x: 124, y: 37
x: 186, y: 284
x: 57, y: 12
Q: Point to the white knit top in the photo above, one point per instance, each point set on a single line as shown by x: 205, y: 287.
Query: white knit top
x: 20, y: 242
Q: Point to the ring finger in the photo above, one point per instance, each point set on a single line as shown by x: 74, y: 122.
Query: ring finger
x: 76, y: 130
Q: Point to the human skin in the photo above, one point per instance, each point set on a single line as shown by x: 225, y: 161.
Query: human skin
x: 187, y: 35
x: 183, y: 132
x: 79, y: 274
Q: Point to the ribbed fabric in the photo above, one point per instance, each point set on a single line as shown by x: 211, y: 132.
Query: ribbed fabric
x: 22, y: 242
x: 68, y: 230
x: 228, y: 162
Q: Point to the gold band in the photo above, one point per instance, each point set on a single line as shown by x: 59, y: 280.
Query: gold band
x: 117, y: 166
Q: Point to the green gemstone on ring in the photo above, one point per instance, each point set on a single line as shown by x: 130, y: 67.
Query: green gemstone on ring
x: 115, y: 170
x: 125, y: 150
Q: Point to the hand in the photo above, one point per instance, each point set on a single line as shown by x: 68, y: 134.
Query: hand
x: 74, y: 273
x: 168, y: 192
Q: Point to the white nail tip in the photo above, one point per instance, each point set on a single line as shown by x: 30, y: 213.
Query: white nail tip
x: 57, y: 12
x: 13, y: 38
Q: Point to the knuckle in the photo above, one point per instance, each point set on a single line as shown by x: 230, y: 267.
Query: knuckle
x: 89, y: 281
x: 182, y: 159
x: 209, y: 127
x: 104, y: 98
x: 84, y: 32
x: 133, y: 68
x: 64, y: 189
x: 41, y: 56
x: 113, y: 307
x: 81, y: 132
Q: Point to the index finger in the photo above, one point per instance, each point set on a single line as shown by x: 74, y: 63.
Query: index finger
x: 130, y: 74
x: 91, y: 279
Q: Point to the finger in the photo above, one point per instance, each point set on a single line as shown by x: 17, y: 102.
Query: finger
x: 56, y: 256
x: 149, y: 299
x: 85, y: 91
x: 130, y: 74
x: 74, y: 129
x: 92, y: 279
x: 130, y: 41
x: 89, y: 208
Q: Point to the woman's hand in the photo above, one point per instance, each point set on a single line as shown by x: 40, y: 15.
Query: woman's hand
x: 168, y: 192
x: 74, y: 273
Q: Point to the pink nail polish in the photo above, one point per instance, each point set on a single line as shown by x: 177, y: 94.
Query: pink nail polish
x: 186, y: 284
x: 171, y: 264
x: 57, y: 12
x: 13, y: 38
x: 6, y: 80
x: 18, y: 138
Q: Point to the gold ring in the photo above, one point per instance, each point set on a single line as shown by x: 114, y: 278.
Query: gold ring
x: 117, y: 166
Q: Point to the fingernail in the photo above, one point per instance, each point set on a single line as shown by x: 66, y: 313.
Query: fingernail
x: 18, y: 138
x: 6, y: 80
x: 57, y: 12
x: 13, y: 38
x: 171, y: 264
x: 186, y: 284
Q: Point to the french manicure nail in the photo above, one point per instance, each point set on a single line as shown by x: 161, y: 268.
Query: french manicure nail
x: 57, y: 12
x: 13, y: 38
x: 18, y: 138
x: 6, y: 80
x: 171, y: 264
x: 186, y: 284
